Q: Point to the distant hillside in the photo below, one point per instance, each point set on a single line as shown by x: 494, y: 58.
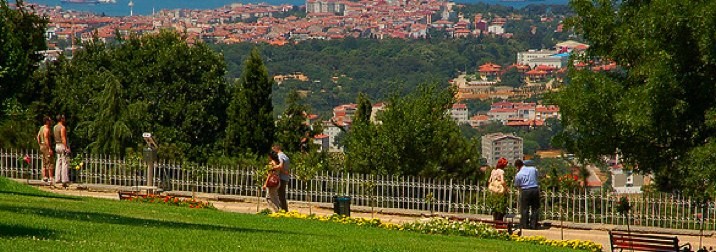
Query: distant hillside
x: 339, y: 69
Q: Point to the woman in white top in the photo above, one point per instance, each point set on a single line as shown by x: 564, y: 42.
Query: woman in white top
x: 498, y: 190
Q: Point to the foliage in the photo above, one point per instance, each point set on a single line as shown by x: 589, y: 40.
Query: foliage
x: 251, y: 126
x: 109, y: 128
x: 154, y: 83
x: 292, y: 126
x: 378, y: 68
x: 497, y: 202
x: 512, y: 78
x: 364, y: 109
x: 22, y: 37
x: 77, y: 162
x: 653, y: 109
x: 17, y: 128
x: 172, y: 201
x: 574, y: 244
x: 623, y: 206
x: 557, y: 175
x: 305, y: 166
x: 415, y: 136
x: 445, y: 226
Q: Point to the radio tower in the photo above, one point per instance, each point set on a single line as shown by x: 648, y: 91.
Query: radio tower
x: 131, y: 8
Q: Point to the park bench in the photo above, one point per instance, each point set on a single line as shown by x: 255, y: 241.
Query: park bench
x: 125, y: 195
x: 623, y: 241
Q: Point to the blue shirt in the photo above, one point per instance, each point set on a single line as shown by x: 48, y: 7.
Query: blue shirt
x: 285, y: 174
x: 526, y: 178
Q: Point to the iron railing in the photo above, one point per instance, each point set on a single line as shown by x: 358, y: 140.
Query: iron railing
x: 399, y: 192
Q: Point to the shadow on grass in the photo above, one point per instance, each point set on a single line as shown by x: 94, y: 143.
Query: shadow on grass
x: 41, y: 195
x: 106, y: 218
x: 7, y: 230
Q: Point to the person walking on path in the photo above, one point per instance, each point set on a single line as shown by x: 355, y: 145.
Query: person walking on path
x: 526, y: 181
x: 498, y: 190
x: 43, y: 139
x: 62, y: 149
x: 283, y: 168
x: 272, y: 194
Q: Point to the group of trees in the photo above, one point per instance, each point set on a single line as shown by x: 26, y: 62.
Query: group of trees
x: 21, y: 37
x: 658, y: 109
x: 112, y: 92
x: 341, y: 69
x: 414, y: 135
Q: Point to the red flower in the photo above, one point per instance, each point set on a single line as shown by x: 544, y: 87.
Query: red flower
x: 27, y: 159
x: 166, y: 199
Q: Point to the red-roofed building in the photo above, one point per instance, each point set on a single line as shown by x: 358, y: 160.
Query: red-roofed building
x: 489, y: 71
x: 479, y: 120
x: 322, y: 140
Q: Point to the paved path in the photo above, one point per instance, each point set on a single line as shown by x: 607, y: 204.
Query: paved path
x: 596, y: 232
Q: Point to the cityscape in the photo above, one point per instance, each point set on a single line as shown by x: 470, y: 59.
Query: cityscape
x: 384, y: 125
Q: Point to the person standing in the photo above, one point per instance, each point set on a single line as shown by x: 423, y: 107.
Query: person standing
x: 498, y: 190
x: 43, y: 139
x: 272, y: 191
x: 283, y: 168
x: 526, y: 181
x: 62, y: 149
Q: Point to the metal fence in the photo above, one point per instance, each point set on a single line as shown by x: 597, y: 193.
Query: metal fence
x: 402, y: 192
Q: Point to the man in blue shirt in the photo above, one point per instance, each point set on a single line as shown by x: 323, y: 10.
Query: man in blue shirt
x: 526, y: 181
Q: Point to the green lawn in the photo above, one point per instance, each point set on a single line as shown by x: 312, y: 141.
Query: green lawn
x: 33, y: 220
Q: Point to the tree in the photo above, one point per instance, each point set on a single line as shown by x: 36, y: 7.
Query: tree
x: 161, y: 85
x: 108, y: 129
x: 293, y: 125
x: 359, y: 142
x: 415, y: 137
x: 653, y: 109
x: 513, y: 78
x: 22, y: 36
x: 251, y: 125
x: 363, y: 110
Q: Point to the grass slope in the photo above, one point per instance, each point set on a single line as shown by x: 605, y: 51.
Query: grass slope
x: 33, y: 220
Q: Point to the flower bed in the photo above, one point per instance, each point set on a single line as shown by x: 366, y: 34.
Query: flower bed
x: 172, y: 201
x: 446, y: 227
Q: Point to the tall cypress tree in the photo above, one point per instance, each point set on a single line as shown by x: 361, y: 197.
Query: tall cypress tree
x: 292, y: 126
x: 250, y: 123
x: 364, y: 109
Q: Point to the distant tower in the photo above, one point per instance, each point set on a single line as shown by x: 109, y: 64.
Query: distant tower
x: 131, y: 8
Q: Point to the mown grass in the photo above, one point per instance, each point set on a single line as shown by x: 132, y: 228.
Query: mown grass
x: 33, y: 220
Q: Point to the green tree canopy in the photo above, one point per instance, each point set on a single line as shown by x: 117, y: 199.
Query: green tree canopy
x: 154, y: 83
x: 251, y: 123
x: 653, y: 109
x: 22, y: 36
x: 415, y: 136
x: 293, y: 124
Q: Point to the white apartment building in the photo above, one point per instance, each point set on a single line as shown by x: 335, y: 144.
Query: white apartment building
x: 497, y: 145
x: 459, y: 113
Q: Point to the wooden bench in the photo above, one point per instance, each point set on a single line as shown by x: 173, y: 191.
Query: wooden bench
x: 623, y: 241
x: 125, y: 195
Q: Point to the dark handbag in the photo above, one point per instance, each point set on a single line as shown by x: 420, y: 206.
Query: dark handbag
x: 273, y: 180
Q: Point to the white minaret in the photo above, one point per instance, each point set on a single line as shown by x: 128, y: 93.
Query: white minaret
x: 131, y: 8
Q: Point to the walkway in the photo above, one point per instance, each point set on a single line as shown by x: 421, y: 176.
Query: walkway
x: 593, y: 232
